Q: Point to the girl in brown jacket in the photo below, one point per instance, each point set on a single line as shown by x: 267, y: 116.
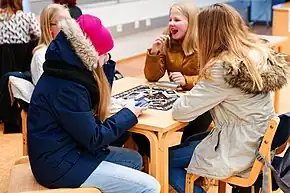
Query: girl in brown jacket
x: 175, y: 52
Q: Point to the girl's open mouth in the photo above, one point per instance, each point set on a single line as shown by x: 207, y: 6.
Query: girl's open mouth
x: 174, y: 31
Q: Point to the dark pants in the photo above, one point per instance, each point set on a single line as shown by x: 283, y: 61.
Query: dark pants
x: 199, y: 125
x: 10, y: 115
x: 179, y: 158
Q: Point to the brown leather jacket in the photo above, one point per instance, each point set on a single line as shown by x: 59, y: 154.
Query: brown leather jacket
x: 174, y: 60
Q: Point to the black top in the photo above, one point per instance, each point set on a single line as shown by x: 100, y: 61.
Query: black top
x: 75, y: 11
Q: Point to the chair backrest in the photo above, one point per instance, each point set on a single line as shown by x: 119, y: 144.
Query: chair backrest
x: 24, y: 132
x: 264, y: 150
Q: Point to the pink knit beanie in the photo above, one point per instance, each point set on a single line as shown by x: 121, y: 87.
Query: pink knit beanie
x: 99, y: 35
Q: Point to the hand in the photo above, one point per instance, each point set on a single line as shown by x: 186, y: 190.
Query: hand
x: 158, y: 43
x: 178, y: 78
x: 130, y: 104
x: 103, y: 59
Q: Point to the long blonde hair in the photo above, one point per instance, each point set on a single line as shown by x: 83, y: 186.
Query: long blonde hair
x: 223, y: 35
x: 102, y: 110
x: 86, y: 52
x: 190, y: 11
x: 46, y: 17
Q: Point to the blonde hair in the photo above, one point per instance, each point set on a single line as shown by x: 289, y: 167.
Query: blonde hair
x: 102, y: 110
x: 226, y: 37
x: 46, y: 17
x: 86, y: 52
x: 190, y: 11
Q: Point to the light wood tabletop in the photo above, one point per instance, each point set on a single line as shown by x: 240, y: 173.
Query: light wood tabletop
x: 282, y: 6
x: 276, y: 40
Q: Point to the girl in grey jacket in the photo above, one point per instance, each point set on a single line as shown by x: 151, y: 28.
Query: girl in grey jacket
x: 238, y: 73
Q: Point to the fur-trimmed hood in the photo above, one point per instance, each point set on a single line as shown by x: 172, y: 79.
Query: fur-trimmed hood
x: 72, y: 46
x: 274, y: 76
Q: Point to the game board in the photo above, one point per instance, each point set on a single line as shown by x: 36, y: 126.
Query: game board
x: 156, y: 97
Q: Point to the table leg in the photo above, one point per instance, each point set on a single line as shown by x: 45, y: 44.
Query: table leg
x: 164, y: 160
x: 276, y: 100
x: 277, y: 92
x: 154, y: 167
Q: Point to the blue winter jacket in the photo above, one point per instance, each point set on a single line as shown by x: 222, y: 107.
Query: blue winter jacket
x: 66, y: 143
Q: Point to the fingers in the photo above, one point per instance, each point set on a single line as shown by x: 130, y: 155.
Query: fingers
x: 177, y: 77
x: 161, y: 39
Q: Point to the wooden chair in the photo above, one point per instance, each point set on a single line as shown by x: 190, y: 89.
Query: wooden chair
x: 265, y: 151
x: 22, y: 179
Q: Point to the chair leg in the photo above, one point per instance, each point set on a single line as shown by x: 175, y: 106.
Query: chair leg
x: 222, y: 187
x: 189, y: 184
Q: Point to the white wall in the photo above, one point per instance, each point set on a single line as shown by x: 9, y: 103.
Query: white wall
x: 124, y: 13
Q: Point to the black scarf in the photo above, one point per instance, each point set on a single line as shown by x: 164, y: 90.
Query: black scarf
x: 73, y: 73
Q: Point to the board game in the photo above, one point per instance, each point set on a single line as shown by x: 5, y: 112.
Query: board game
x: 154, y: 97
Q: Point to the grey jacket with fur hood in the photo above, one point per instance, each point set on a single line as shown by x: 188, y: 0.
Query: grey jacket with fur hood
x: 240, y: 112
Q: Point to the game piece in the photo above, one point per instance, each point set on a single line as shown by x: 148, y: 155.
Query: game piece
x: 150, y: 90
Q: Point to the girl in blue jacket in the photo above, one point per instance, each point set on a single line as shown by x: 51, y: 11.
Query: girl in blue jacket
x: 68, y: 125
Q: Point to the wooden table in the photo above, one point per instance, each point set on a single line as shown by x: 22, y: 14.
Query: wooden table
x: 278, y: 43
x: 280, y: 24
x: 156, y: 126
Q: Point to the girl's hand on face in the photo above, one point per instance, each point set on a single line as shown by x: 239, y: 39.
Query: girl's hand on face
x: 178, y: 78
x: 158, y: 43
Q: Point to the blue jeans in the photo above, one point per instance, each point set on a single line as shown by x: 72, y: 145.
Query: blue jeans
x: 119, y: 173
x: 179, y: 158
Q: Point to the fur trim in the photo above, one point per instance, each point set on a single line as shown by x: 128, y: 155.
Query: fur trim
x: 274, y: 76
x: 82, y: 46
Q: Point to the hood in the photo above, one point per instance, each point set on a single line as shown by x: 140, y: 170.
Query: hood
x: 60, y: 50
x: 274, y: 75
x: 72, y: 47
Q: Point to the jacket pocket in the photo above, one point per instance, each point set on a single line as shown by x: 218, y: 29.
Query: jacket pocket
x: 72, y: 156
x: 218, y: 141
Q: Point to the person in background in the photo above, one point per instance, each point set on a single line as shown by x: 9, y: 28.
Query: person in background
x: 69, y: 127
x: 175, y: 52
x: 49, y: 18
x: 238, y: 72
x: 17, y: 30
x: 19, y: 33
x: 74, y: 10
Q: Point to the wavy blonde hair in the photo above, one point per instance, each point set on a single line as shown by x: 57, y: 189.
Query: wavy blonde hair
x: 85, y: 50
x: 46, y: 17
x: 226, y: 37
x: 190, y: 11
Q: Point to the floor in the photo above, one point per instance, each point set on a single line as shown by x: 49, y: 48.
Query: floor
x: 11, y: 146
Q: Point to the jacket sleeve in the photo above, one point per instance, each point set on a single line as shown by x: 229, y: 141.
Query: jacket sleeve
x: 192, y: 79
x: 109, y: 70
x: 155, y: 66
x: 72, y: 109
x: 204, y: 96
